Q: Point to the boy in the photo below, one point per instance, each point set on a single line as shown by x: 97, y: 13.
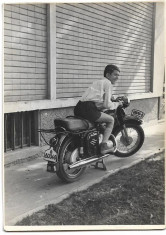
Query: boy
x: 98, y: 97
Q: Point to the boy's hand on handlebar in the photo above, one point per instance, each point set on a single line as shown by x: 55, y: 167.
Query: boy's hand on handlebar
x: 120, y: 103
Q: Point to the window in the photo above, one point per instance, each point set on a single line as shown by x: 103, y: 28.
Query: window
x: 25, y: 52
x: 20, y: 130
x: 90, y: 36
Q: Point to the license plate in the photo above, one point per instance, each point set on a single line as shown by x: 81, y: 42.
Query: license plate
x: 137, y: 113
x: 50, y: 155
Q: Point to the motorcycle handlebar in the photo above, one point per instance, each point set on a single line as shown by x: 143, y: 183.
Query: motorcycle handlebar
x: 124, y: 99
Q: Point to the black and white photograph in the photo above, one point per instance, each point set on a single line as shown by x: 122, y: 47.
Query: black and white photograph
x: 83, y: 115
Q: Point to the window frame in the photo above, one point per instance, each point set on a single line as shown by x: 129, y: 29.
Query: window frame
x: 13, y: 127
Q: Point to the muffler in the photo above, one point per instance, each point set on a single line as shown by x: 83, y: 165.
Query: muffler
x: 91, y: 160
x: 86, y: 161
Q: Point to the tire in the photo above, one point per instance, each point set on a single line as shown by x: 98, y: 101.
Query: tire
x: 69, y: 149
x: 136, y: 138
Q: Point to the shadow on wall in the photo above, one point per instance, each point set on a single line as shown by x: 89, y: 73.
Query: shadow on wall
x: 138, y: 65
x: 90, y: 37
x: 148, y: 106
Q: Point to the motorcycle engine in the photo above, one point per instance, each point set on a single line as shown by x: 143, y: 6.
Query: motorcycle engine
x: 92, y: 143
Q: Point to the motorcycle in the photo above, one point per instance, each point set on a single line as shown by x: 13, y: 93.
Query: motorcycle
x: 76, y: 141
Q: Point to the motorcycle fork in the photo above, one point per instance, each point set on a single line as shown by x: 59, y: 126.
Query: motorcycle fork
x: 125, y: 134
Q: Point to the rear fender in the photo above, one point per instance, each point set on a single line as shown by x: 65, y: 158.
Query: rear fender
x: 62, y: 138
x: 57, y: 147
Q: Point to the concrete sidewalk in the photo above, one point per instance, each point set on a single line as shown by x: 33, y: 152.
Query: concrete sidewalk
x: 29, y: 187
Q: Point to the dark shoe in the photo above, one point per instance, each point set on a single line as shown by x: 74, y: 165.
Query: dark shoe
x: 106, y: 147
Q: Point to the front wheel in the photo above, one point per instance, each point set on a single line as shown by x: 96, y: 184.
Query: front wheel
x: 69, y: 154
x: 129, y: 141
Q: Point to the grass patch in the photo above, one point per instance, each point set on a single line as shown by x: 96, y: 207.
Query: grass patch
x: 133, y: 196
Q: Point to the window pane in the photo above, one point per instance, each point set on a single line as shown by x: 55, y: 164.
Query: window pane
x: 25, y: 128
x: 17, y: 129
x: 32, y: 127
x: 8, y: 130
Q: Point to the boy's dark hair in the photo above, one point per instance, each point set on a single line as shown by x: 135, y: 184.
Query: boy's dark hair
x: 110, y: 68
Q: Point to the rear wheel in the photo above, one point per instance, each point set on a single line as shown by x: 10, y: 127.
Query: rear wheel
x: 129, y: 144
x: 69, y: 154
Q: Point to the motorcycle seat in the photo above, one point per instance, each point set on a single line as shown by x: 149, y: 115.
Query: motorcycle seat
x: 72, y: 123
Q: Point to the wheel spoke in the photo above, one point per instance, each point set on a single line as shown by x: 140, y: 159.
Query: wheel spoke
x: 123, y: 145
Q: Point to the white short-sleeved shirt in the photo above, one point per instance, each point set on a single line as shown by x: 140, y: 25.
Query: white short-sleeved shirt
x: 100, y: 92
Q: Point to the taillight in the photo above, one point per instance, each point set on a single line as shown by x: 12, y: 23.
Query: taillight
x: 53, y: 141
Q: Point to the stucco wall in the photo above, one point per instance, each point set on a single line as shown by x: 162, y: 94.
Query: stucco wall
x: 149, y: 106
x: 47, y: 120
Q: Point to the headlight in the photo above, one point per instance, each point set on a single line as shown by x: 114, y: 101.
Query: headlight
x: 126, y: 101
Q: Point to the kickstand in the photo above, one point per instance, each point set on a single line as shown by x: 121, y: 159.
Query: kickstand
x: 103, y: 167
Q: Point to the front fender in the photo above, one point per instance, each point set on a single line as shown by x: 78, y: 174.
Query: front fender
x: 132, y: 120
x: 128, y: 120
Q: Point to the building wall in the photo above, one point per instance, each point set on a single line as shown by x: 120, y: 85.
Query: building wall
x: 90, y: 36
x: 25, y: 52
x: 55, y: 101
x: 47, y: 120
x: 33, y: 84
x: 149, y: 106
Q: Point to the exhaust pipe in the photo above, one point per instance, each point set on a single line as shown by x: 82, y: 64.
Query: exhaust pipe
x: 91, y: 160
x: 86, y: 162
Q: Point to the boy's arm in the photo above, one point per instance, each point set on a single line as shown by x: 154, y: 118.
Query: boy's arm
x: 107, y: 97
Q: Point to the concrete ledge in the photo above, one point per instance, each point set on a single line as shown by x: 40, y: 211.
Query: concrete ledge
x: 21, y: 155
x: 19, y: 106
